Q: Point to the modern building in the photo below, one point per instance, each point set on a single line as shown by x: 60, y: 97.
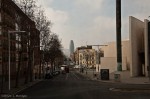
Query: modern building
x: 24, y: 50
x: 139, y: 46
x: 135, y: 51
x: 109, y: 61
x: 71, y: 47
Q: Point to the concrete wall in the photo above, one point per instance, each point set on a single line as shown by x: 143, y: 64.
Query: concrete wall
x: 110, y: 50
x: 111, y: 63
x: 110, y: 56
x: 136, y: 36
x: 126, y: 53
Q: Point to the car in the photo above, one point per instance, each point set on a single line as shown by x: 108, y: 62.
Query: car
x: 48, y: 76
x: 57, y: 72
x: 77, y: 66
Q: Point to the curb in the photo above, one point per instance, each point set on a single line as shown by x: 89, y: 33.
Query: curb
x: 113, y: 81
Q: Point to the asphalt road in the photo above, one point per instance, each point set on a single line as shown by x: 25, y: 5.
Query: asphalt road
x: 75, y: 86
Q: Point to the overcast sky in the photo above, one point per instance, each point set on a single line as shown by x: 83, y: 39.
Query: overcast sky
x: 91, y: 21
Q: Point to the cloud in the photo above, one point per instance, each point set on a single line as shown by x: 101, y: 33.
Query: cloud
x: 92, y: 21
x: 59, y: 19
x: 89, y: 4
x: 104, y: 28
x: 45, y: 3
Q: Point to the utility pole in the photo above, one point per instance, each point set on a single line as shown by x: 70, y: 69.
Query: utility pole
x: 118, y: 35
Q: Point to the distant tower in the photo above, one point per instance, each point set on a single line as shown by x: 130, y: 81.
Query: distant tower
x: 71, y: 47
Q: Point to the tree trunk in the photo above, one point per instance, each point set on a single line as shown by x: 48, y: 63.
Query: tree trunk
x: 2, y: 81
x: 28, y: 66
x: 18, y: 69
x: 52, y: 66
x: 40, y: 69
x: 31, y: 67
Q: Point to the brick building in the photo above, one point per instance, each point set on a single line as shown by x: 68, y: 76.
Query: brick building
x: 23, y: 46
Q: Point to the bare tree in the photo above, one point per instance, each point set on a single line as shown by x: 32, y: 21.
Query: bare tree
x: 36, y: 13
x: 53, y: 49
x: 43, y: 25
x: 28, y: 7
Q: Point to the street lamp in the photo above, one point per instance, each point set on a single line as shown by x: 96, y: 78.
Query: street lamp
x: 10, y: 32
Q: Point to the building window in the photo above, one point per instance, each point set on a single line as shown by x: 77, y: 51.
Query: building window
x: 0, y: 68
x: 0, y: 30
x: 17, y: 27
x: 0, y: 57
x: 0, y: 18
x: 0, y: 43
x: 18, y: 37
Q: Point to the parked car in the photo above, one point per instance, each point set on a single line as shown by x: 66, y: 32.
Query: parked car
x: 64, y: 69
x: 77, y: 66
x: 48, y: 76
x: 57, y: 72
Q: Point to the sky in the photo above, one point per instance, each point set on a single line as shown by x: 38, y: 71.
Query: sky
x: 89, y: 22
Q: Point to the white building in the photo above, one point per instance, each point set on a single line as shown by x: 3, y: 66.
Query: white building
x: 135, y: 51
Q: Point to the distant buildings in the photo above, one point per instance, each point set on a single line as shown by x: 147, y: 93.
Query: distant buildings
x: 71, y: 47
x: 85, y: 56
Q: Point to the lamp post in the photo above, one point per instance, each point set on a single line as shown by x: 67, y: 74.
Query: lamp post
x: 10, y: 32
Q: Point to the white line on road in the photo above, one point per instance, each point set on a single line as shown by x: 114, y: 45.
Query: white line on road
x: 75, y: 75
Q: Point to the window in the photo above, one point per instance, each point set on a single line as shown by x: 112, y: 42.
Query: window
x: 17, y: 27
x: 0, y: 57
x: 0, y: 29
x: 0, y: 3
x: 0, y: 43
x: 0, y: 18
x: 0, y: 68
x: 18, y: 37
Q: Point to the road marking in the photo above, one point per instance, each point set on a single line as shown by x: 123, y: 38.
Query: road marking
x: 75, y: 75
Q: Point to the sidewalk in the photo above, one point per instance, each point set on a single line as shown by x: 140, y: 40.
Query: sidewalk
x: 20, y: 88
x: 124, y: 78
x: 16, y: 90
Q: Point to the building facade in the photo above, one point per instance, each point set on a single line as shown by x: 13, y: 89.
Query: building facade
x: 109, y: 61
x: 71, y: 47
x: 85, y: 56
x: 23, y: 53
x: 135, y: 51
x: 139, y: 46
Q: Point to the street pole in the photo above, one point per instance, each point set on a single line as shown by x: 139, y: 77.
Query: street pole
x: 118, y: 35
x: 9, y: 60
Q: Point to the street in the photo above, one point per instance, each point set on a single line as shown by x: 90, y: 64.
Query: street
x: 74, y: 86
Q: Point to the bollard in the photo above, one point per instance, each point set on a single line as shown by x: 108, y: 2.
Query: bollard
x: 117, y: 77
